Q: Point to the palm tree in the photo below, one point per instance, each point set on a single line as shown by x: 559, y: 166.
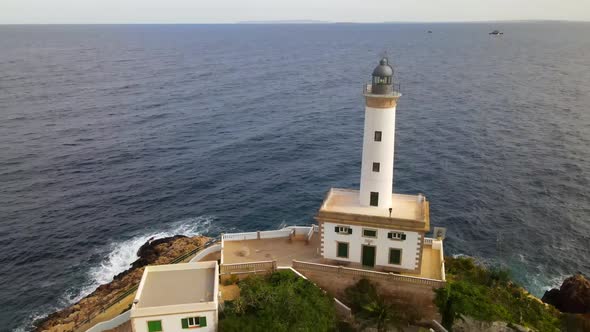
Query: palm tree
x: 380, y: 314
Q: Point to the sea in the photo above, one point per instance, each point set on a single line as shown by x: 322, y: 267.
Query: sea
x: 112, y: 134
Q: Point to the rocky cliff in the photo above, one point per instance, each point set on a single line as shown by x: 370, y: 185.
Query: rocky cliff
x: 156, y: 252
x: 572, y: 297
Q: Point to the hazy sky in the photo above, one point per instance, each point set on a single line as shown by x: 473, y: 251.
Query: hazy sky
x: 223, y: 11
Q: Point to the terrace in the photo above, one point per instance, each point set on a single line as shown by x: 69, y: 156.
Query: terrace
x: 242, y: 252
x: 409, y: 212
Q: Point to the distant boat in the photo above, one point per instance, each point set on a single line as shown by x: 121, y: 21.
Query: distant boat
x: 496, y: 33
x: 429, y: 31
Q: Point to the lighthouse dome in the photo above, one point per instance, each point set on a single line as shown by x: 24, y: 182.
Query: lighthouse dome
x: 383, y: 69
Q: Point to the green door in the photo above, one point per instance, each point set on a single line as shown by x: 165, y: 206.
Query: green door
x: 368, y: 256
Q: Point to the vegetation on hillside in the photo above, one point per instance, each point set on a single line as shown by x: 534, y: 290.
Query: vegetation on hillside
x: 489, y: 295
x: 372, y: 309
x: 278, y: 302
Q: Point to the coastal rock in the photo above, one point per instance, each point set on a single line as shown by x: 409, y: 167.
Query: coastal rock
x: 572, y: 297
x: 153, y: 252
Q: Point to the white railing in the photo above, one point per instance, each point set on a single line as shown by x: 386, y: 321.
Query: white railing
x: 240, y: 236
x: 437, y: 245
x: 292, y: 270
x: 274, y: 234
x: 286, y: 232
x: 111, y: 324
x: 438, y: 327
x: 299, y: 230
x: 251, y: 267
x: 201, y: 254
x: 309, y: 234
x: 342, y: 309
x: 375, y: 275
x: 222, y: 246
x: 442, y: 261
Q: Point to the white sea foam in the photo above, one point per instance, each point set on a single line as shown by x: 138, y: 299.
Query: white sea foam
x: 541, y: 283
x: 121, y: 253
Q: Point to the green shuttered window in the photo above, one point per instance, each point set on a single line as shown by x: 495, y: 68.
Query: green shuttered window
x: 395, y: 256
x: 396, y: 236
x: 342, y: 250
x: 154, y: 326
x: 369, y: 233
x: 343, y: 230
x: 192, y: 322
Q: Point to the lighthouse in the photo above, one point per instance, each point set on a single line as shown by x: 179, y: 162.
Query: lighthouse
x: 379, y: 138
x: 372, y: 227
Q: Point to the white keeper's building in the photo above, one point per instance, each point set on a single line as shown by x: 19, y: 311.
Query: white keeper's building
x: 177, y: 298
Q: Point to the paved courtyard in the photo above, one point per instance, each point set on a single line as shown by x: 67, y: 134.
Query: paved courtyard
x: 284, y: 251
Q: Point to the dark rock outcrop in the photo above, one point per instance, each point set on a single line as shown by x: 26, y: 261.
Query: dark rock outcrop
x: 153, y: 252
x: 572, y: 297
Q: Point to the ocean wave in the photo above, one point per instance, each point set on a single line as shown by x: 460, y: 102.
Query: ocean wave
x: 121, y: 254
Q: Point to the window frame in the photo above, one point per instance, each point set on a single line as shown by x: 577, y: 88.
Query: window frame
x: 378, y: 136
x: 374, y: 194
x: 159, y: 321
x: 394, y: 236
x: 401, y: 251
x: 376, y: 167
x: 197, y: 322
x: 344, y: 230
x: 370, y: 230
x: 338, y: 243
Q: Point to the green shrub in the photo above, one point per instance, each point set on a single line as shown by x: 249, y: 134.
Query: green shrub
x: 489, y: 295
x: 370, y: 308
x: 278, y: 302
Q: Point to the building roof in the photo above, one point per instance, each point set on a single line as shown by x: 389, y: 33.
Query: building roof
x: 383, y: 69
x: 177, y: 284
x: 409, y: 212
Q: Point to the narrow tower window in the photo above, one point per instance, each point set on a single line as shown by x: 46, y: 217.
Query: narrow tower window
x: 374, y: 198
x: 376, y: 167
x: 377, y: 136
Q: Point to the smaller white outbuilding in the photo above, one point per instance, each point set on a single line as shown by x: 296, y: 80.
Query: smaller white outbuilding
x: 177, y: 298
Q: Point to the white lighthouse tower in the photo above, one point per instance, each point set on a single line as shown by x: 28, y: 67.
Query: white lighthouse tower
x: 374, y: 228
x: 379, y: 136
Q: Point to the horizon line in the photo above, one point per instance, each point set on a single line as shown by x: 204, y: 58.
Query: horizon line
x: 306, y: 22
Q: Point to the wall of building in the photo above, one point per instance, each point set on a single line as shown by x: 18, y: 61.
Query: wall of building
x: 410, y: 246
x: 172, y: 322
x: 378, y: 119
x: 412, y: 297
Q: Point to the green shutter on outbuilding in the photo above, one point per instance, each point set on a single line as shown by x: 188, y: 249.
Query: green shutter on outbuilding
x: 154, y: 326
x: 403, y: 236
x: 336, y: 229
x: 202, y: 321
x: 184, y: 323
x: 350, y: 231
